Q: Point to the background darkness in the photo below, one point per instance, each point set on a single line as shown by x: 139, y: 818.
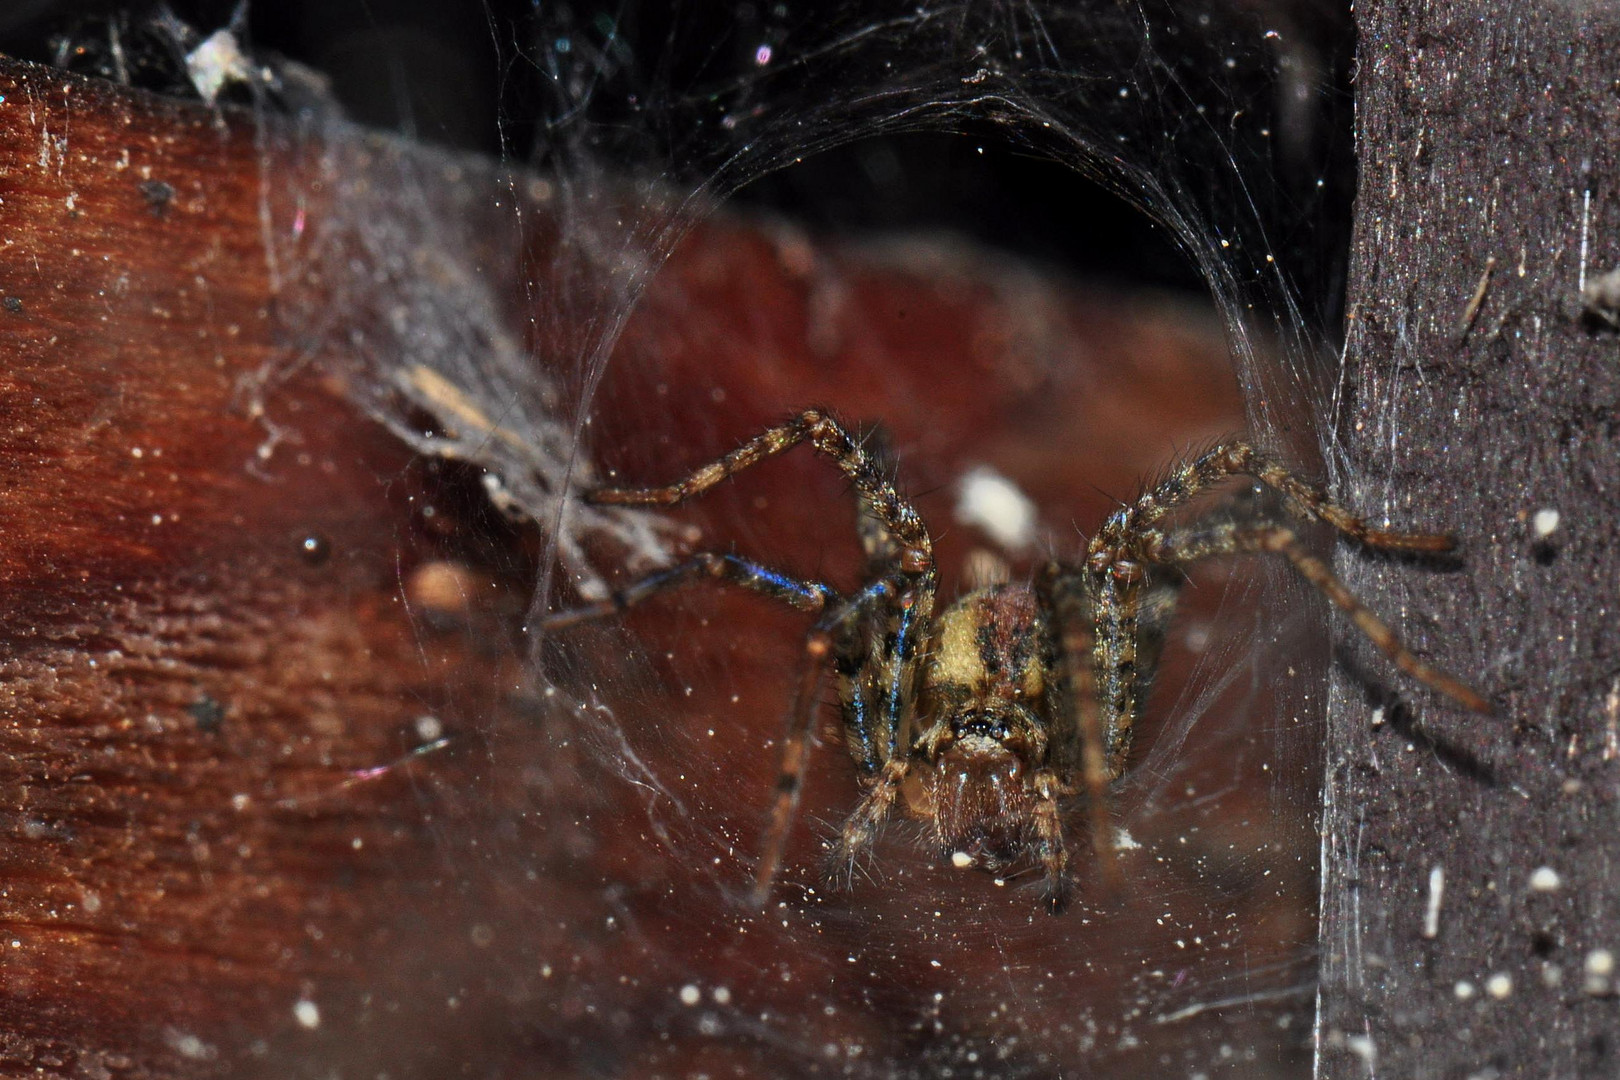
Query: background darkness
x: 460, y: 74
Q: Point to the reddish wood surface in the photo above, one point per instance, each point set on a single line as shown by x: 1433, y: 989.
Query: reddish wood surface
x: 211, y: 817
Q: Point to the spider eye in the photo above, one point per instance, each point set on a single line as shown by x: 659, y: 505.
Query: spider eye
x: 982, y: 725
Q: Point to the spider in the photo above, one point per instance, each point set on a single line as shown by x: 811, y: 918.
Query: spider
x: 983, y: 718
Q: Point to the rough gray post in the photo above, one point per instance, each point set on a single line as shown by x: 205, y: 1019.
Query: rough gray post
x: 1471, y: 906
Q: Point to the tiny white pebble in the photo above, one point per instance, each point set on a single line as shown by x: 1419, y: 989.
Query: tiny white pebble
x: 1600, y: 962
x: 307, y: 1013
x: 1545, y: 523
x: 1499, y: 985
x: 722, y: 995
x: 1464, y: 990
x: 961, y: 860
x: 428, y: 728
x: 690, y: 995
x: 1545, y: 879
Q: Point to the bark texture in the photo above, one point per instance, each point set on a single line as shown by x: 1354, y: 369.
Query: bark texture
x: 1468, y: 919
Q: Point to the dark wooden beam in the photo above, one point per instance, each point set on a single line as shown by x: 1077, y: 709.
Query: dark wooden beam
x: 1468, y: 927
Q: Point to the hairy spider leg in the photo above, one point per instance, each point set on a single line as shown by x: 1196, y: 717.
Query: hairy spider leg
x: 886, y: 761
x: 892, y: 530
x: 1118, y: 559
x: 1105, y: 629
x: 1049, y: 848
x: 1304, y: 501
x: 1183, y: 548
x: 819, y: 645
x: 826, y: 434
x: 804, y: 594
x: 1072, y: 611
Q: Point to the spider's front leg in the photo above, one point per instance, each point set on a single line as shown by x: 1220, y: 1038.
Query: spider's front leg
x: 877, y: 694
x: 1049, y: 847
x: 915, y: 550
x: 869, y: 747
x: 898, y: 545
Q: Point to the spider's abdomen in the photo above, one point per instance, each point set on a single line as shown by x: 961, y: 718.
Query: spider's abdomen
x: 991, y: 644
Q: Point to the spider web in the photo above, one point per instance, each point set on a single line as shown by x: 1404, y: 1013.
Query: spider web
x: 612, y: 838
x: 1204, y: 963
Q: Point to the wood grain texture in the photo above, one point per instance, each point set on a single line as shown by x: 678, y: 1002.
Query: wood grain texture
x: 235, y: 621
x: 1487, y: 135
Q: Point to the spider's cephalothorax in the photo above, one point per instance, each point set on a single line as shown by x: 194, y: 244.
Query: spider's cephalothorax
x: 990, y: 757
x: 982, y: 719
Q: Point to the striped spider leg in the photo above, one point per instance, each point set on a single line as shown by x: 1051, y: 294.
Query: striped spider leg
x: 980, y: 720
x: 876, y: 675
x: 1125, y: 582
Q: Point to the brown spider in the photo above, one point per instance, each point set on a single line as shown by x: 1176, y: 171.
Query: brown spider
x: 980, y: 719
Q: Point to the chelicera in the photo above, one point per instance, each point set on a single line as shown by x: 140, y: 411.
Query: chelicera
x: 984, y: 718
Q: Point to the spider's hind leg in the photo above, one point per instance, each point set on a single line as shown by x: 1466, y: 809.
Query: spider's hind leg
x: 1194, y: 545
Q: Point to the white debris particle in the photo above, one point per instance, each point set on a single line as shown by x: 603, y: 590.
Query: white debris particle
x: 1431, y: 913
x: 690, y: 994
x: 1545, y: 523
x: 217, y: 61
x: 989, y: 501
x: 1124, y: 841
x: 1364, y: 1048
x: 1545, y: 879
x: 1599, y: 971
x: 429, y: 728
x: 188, y: 1045
x: 1601, y: 293
x: 91, y: 902
x: 961, y: 860
x: 1499, y: 985
x: 307, y: 1013
x: 722, y: 995
x: 1464, y: 990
